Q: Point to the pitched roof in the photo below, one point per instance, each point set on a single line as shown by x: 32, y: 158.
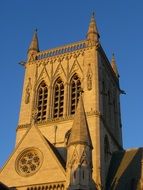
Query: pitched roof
x: 57, y: 153
x: 125, y: 170
x: 80, y: 131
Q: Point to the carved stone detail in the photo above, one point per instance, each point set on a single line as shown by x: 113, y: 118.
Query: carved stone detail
x: 29, y: 162
x: 89, y: 78
x: 51, y: 186
x: 28, y: 92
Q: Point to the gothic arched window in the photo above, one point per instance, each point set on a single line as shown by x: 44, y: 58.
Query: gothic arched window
x: 75, y: 92
x: 106, y: 148
x: 42, y: 95
x: 58, y: 98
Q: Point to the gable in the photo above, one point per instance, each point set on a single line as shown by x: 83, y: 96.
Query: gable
x: 32, y: 162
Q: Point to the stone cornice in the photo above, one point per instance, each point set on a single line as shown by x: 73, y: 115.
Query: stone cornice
x: 55, y: 120
x: 66, y: 51
x: 60, y: 184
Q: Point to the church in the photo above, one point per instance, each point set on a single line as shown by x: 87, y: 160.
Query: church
x: 69, y: 133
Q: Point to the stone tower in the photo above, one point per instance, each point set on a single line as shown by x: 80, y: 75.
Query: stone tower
x: 48, y: 135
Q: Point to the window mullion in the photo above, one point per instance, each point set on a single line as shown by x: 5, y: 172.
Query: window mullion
x: 59, y: 99
x: 42, y: 101
x: 42, y: 104
x: 76, y: 94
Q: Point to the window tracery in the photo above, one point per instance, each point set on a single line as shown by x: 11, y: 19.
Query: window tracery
x: 75, y: 92
x: 89, y: 77
x: 58, y: 98
x: 42, y: 96
x: 29, y: 162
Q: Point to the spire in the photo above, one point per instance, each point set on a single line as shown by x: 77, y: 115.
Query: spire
x: 114, y: 66
x: 80, y: 131
x: 34, y: 44
x: 92, y: 33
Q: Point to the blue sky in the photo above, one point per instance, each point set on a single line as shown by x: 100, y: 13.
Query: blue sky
x: 120, y: 24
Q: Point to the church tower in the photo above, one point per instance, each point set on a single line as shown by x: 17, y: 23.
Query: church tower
x: 70, y: 141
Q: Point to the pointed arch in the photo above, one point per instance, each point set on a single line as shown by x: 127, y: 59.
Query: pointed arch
x: 62, y: 187
x: 58, y: 98
x: 42, y: 97
x: 75, y: 86
x: 54, y: 187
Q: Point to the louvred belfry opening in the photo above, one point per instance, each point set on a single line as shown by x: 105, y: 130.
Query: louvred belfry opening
x: 58, y: 98
x: 75, y: 92
x: 42, y: 96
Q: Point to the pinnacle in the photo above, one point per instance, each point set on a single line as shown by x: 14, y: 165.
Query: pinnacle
x: 80, y: 131
x: 114, y: 65
x: 34, y: 44
x: 92, y: 33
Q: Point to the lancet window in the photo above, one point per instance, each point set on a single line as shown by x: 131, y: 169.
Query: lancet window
x: 58, y: 98
x: 42, y: 95
x: 75, y: 92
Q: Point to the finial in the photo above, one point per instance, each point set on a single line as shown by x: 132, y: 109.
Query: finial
x: 93, y: 17
x: 92, y: 33
x: 36, y: 30
x: 34, y: 46
x: 93, y: 14
x: 113, y: 56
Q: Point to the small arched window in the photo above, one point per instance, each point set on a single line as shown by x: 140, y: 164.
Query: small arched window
x: 75, y: 92
x: 106, y: 148
x: 58, y: 98
x: 42, y: 95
